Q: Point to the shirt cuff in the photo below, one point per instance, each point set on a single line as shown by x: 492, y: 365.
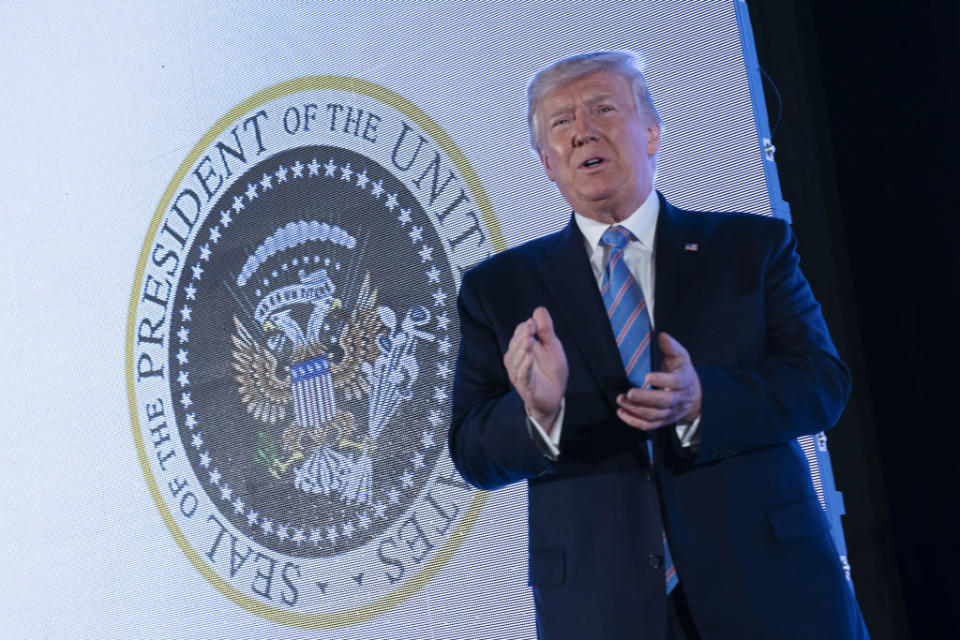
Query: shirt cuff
x: 688, y: 433
x: 549, y: 444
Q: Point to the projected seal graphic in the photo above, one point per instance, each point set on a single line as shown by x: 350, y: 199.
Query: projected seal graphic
x: 291, y: 344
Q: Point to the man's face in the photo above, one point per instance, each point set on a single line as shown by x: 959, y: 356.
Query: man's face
x: 596, y: 147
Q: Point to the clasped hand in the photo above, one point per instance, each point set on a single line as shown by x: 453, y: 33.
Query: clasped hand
x: 666, y: 397
x: 538, y: 370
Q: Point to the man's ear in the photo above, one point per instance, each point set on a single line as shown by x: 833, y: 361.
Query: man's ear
x: 653, y: 139
x: 545, y: 161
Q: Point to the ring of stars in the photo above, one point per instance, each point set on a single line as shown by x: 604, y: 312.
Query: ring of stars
x: 324, y: 536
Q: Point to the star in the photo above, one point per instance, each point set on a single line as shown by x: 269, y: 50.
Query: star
x: 215, y: 476
x: 439, y: 297
x: 182, y: 357
x: 281, y: 174
x: 191, y: 291
x: 191, y: 421
x: 404, y: 217
x: 267, y: 525
x: 379, y: 509
x: 348, y: 529
x: 364, y: 520
x: 196, y: 441
x: 434, y: 418
x: 251, y: 191
x: 427, y: 439
x: 297, y: 169
x: 226, y: 492
x: 394, y: 495
x: 237, y: 203
x: 205, y: 253
x: 417, y: 460
x: 197, y: 271
x: 346, y: 173
x: 391, y: 202
x: 439, y: 394
x: 426, y: 254
x: 282, y: 532
x: 416, y: 234
x: 443, y: 321
x: 316, y: 535
x: 362, y: 179
x: 184, y: 334
x: 314, y: 167
x: 443, y: 369
x: 332, y: 533
x: 330, y: 169
x: 443, y: 345
x: 266, y: 181
x: 377, y: 189
x: 406, y: 478
x: 252, y: 518
x: 433, y: 275
x: 225, y: 218
x: 298, y: 536
x: 186, y: 313
x: 238, y: 505
x: 183, y: 379
x: 214, y: 235
x: 205, y: 460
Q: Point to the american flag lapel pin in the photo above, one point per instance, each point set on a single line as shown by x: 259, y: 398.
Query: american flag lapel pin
x: 692, y: 247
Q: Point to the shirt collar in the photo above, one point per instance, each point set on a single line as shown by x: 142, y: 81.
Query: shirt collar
x: 642, y: 223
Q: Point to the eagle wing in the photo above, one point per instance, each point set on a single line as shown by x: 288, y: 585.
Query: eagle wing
x: 358, y: 339
x: 265, y: 394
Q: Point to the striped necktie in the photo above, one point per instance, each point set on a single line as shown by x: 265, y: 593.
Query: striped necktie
x: 630, y: 321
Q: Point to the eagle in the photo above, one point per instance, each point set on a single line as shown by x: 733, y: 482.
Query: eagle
x: 262, y: 373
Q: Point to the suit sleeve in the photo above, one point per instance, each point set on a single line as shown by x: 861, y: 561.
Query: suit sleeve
x: 489, y: 438
x: 800, y: 386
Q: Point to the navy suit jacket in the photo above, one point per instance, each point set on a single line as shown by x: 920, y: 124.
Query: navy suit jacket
x: 749, y: 540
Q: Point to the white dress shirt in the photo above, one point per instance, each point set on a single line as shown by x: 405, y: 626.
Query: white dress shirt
x: 639, y: 258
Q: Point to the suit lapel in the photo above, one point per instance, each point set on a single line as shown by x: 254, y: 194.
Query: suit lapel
x: 570, y: 281
x: 678, y: 252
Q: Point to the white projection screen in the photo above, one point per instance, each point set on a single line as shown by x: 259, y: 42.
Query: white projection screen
x: 233, y: 235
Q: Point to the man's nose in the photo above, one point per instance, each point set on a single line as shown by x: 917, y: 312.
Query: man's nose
x: 584, y: 129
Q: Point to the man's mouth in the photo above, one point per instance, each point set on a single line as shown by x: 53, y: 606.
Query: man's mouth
x: 590, y: 163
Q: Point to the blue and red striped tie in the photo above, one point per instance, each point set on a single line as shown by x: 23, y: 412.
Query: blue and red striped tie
x: 630, y: 321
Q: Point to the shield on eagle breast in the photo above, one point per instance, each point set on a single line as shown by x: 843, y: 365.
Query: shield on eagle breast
x: 312, y: 386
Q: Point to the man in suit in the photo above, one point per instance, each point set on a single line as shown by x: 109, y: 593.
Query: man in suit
x: 647, y: 370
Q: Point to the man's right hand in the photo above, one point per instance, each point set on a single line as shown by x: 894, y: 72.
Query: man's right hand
x: 537, y: 367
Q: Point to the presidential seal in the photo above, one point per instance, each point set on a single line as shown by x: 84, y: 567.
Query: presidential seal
x: 291, y: 344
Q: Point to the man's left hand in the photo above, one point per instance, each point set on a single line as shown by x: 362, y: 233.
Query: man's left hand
x: 676, y: 398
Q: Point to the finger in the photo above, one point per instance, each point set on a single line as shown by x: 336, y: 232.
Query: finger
x: 656, y: 398
x: 670, y: 347
x: 520, y: 340
x: 635, y: 422
x: 648, y: 413
x: 524, y: 367
x: 544, y: 325
x: 523, y: 330
x: 664, y: 380
x: 519, y: 369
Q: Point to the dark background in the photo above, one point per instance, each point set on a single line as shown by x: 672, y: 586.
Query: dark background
x: 865, y: 152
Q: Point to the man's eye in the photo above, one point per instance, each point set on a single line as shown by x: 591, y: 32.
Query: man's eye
x: 606, y: 109
x: 560, y: 122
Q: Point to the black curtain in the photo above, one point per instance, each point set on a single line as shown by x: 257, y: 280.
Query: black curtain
x: 866, y: 150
